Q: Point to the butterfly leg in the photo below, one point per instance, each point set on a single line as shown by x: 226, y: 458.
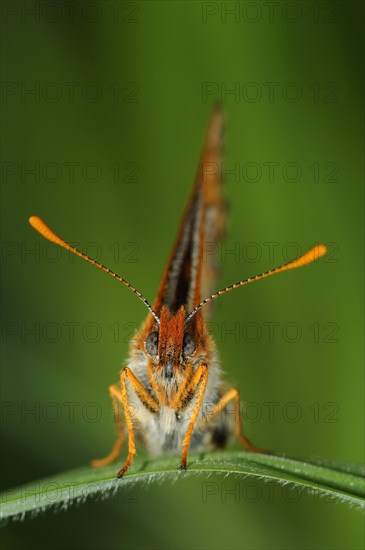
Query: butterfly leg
x: 115, y: 396
x: 199, y: 380
x: 145, y: 398
x: 175, y: 403
x: 233, y: 394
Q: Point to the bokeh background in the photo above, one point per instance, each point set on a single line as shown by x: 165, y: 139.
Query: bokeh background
x: 107, y: 103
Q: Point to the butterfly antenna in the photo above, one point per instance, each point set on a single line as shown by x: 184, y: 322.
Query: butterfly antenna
x: 312, y: 254
x: 47, y: 233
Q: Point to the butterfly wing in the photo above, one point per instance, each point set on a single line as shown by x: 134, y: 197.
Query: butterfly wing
x: 190, y: 269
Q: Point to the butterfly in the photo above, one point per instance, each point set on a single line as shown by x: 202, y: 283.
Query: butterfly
x: 171, y: 390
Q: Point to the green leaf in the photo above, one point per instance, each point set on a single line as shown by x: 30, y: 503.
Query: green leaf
x: 342, y: 482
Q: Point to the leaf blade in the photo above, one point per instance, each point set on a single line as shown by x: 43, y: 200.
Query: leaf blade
x: 343, y: 482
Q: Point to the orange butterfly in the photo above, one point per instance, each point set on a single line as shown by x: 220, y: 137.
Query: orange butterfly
x: 171, y: 390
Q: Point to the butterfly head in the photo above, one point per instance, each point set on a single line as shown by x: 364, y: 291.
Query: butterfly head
x: 172, y: 343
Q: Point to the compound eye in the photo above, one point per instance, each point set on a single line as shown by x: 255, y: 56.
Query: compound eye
x: 188, y: 345
x: 152, y: 344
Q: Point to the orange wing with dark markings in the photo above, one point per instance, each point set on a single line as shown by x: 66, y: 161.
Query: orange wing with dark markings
x: 186, y: 276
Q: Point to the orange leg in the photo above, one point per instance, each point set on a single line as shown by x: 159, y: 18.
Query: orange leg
x: 176, y: 400
x: 200, y: 379
x: 146, y: 399
x: 161, y: 394
x: 115, y: 396
x: 238, y: 431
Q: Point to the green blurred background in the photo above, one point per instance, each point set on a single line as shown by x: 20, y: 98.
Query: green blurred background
x: 122, y: 93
